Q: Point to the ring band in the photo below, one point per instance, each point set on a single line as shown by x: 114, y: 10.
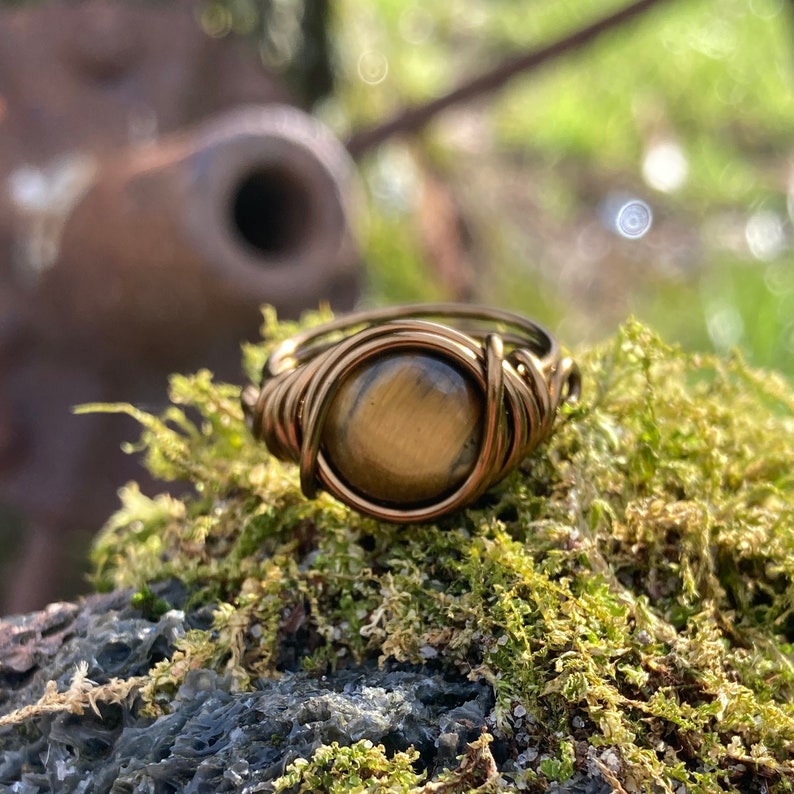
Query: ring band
x: 411, y: 412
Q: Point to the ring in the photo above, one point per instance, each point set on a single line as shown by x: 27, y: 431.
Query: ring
x: 409, y: 413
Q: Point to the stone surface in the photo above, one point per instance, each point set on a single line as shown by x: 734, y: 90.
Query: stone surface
x: 216, y: 740
x: 404, y: 430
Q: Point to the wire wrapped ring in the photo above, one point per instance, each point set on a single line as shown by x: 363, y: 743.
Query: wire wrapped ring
x: 404, y: 417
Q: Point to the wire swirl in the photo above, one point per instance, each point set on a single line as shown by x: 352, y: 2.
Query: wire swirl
x: 515, y: 364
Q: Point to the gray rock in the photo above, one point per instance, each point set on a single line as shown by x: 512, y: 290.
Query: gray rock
x: 214, y: 740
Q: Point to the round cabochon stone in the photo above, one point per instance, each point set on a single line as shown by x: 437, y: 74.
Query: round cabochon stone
x: 404, y: 429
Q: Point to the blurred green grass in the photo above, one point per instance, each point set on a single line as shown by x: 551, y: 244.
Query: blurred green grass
x: 530, y: 170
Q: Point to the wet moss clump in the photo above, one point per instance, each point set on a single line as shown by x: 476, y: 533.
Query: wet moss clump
x: 628, y: 594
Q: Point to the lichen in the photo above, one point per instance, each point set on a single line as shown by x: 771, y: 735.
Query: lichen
x: 628, y: 594
x: 81, y: 695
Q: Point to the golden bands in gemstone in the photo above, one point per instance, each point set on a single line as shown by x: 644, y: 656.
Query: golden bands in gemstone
x: 411, y: 412
x: 406, y: 429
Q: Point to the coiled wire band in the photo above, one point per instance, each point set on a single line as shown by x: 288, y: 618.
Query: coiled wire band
x: 515, y: 363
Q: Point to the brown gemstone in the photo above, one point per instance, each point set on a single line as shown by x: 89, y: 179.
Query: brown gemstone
x: 405, y: 429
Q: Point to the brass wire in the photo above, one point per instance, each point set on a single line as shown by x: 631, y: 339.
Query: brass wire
x: 516, y: 364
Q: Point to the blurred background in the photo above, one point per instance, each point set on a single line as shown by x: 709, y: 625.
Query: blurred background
x: 681, y: 119
x: 647, y: 170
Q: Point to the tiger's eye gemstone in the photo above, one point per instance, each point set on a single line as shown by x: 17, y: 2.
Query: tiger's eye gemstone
x: 405, y: 429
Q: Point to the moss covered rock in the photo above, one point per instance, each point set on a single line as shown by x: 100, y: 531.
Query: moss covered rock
x: 627, y: 596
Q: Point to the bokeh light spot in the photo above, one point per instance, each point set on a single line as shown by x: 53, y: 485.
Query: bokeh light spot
x: 633, y: 219
x: 765, y: 235
x: 766, y: 9
x: 665, y: 166
x: 725, y: 325
x: 416, y: 25
x: 216, y: 20
x: 373, y: 66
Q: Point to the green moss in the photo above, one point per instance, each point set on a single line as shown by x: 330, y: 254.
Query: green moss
x: 362, y: 768
x: 149, y: 604
x: 630, y: 589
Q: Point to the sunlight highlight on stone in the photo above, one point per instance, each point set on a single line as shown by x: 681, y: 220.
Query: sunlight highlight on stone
x: 665, y: 166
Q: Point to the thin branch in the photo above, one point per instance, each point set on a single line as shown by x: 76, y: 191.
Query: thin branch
x: 412, y: 119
